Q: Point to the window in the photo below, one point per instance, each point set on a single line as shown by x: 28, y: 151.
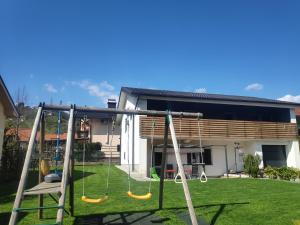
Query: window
x: 207, y: 156
x: 274, y: 155
x: 189, y: 158
x: 195, y: 157
x: 157, y: 158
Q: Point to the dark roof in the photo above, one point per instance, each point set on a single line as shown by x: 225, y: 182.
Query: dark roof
x: 203, y: 96
x: 7, y: 101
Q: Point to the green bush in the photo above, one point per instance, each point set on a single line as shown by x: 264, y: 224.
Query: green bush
x: 91, y: 150
x: 251, y: 165
x: 286, y: 173
x: 283, y: 173
x: 271, y: 172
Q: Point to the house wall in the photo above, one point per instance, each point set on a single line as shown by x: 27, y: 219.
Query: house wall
x: 2, y: 126
x: 218, y: 167
x: 100, y: 129
x: 293, y: 155
x: 138, y: 153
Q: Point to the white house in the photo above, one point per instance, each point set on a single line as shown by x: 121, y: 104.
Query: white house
x: 232, y: 126
x: 7, y: 109
x: 100, y: 130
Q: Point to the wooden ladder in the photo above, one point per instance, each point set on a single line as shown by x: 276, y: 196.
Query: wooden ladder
x: 44, y: 188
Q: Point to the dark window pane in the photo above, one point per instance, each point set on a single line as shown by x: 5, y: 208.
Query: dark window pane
x: 157, y: 158
x: 189, y: 158
x: 274, y: 155
x: 207, y: 156
x: 194, y: 158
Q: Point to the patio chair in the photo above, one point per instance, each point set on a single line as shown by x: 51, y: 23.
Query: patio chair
x: 170, y: 171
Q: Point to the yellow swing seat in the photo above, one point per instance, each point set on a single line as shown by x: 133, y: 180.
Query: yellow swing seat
x: 94, y: 201
x: 139, y: 197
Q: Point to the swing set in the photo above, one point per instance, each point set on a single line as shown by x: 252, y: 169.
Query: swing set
x: 68, y: 164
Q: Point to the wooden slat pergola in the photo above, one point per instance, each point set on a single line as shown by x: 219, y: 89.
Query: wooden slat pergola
x: 187, y: 128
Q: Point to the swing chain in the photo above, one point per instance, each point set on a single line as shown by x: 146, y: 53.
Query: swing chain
x: 110, y: 158
x: 152, y: 149
x: 179, y: 146
x: 128, y: 146
x: 203, y: 177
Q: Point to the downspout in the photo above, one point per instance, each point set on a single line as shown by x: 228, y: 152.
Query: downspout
x: 226, y: 160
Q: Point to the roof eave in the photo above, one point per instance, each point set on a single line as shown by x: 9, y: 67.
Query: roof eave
x: 278, y: 104
x: 12, y: 110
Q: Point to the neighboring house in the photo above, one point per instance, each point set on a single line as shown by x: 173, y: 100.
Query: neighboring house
x: 50, y: 139
x: 100, y: 130
x: 7, y: 109
x: 232, y: 126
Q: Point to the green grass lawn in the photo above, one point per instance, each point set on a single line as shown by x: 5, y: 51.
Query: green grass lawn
x: 219, y: 201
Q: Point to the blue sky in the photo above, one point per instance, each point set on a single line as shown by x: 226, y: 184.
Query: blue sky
x: 84, y: 51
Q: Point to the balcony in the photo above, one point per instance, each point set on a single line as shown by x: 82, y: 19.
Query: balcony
x: 219, y: 129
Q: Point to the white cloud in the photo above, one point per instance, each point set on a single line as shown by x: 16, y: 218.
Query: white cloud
x: 50, y: 88
x: 200, y: 90
x: 290, y: 98
x: 254, y: 87
x: 102, y: 90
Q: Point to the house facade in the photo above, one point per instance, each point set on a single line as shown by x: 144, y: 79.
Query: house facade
x: 7, y: 109
x: 231, y: 127
x: 100, y: 130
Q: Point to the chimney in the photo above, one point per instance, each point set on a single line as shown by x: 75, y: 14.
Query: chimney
x: 111, y: 103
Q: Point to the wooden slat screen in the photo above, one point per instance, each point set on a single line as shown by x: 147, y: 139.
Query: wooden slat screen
x: 211, y: 128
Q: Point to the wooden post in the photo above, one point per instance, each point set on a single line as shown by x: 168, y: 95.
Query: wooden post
x: 182, y: 174
x: 19, y: 195
x: 41, y: 150
x: 163, y: 164
x: 71, y: 178
x: 65, y: 172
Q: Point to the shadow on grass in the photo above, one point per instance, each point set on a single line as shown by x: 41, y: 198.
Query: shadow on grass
x: 8, y: 191
x: 4, y: 217
x: 147, y: 216
x: 116, y: 218
x: 219, y: 212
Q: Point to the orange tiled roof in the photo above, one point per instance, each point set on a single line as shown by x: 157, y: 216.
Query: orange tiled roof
x: 24, y: 135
